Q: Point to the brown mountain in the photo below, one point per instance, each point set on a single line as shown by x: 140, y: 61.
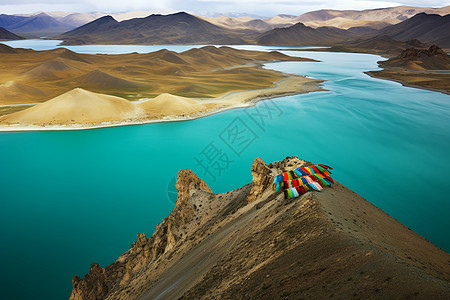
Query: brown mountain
x: 418, y: 68
x: 390, y: 40
x: 434, y: 29
x: 251, y: 243
x: 179, y: 28
x: 380, y: 44
x: 8, y: 35
x: 299, y: 34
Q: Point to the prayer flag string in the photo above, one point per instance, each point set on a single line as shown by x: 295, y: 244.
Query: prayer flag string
x: 301, y: 180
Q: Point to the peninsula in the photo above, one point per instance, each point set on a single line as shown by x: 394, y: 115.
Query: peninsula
x: 61, y: 89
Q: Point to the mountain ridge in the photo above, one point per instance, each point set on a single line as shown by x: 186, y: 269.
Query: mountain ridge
x: 178, y: 28
x: 424, y: 27
x: 252, y: 242
x: 343, y: 19
x: 39, y: 24
x: 430, y: 28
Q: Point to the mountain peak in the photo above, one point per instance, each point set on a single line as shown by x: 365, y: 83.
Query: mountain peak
x: 182, y: 13
x: 105, y: 19
x: 42, y: 14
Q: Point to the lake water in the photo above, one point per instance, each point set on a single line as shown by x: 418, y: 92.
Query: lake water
x: 75, y: 197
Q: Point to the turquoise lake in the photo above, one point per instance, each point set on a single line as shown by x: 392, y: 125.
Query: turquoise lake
x: 69, y: 198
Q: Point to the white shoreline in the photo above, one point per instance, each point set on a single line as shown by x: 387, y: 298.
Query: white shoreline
x: 243, y: 99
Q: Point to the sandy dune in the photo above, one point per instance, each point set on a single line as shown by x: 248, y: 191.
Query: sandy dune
x: 12, y: 92
x: 200, y: 82
x: 81, y: 109
x: 167, y: 104
x: 77, y: 106
x: 102, y: 80
x: 52, y: 70
x: 136, y: 76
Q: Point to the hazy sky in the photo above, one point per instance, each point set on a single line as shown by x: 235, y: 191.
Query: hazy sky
x: 258, y: 7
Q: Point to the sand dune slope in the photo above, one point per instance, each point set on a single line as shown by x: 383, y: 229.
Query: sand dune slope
x: 52, y: 70
x: 75, y: 106
x: 67, y: 54
x: 99, y: 79
x: 12, y: 92
x: 170, y: 104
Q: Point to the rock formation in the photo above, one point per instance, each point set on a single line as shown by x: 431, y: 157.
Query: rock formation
x: 261, y: 179
x: 100, y: 282
x: 251, y: 243
x: 432, y: 58
x: 433, y: 50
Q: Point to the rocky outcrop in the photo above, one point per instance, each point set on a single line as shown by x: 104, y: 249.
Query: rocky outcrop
x: 92, y: 286
x: 261, y: 179
x: 253, y: 243
x: 432, y: 58
x: 100, y: 282
x: 188, y: 182
x: 416, y: 53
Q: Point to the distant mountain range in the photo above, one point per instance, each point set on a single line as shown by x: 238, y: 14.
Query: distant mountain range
x: 433, y: 29
x: 344, y: 19
x: 300, y: 34
x: 424, y: 27
x: 376, y: 18
x: 183, y: 28
x: 398, y: 23
x: 55, y: 23
x: 34, y: 26
x: 178, y: 28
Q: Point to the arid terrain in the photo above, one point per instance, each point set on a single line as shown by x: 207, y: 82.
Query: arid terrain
x: 411, y: 63
x: 426, y: 68
x: 251, y: 243
x: 91, y: 89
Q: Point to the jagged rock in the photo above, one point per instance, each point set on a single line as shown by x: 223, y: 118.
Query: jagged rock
x: 99, y: 281
x: 92, y: 286
x: 261, y: 179
x: 187, y: 181
x: 413, y: 53
x: 432, y: 58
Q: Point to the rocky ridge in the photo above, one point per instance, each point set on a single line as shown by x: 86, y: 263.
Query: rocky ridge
x: 251, y: 243
x: 432, y: 58
x: 433, y: 50
x: 100, y: 282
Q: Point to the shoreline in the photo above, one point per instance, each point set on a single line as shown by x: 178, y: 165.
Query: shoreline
x: 385, y: 55
x: 292, y: 85
x: 405, y: 83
